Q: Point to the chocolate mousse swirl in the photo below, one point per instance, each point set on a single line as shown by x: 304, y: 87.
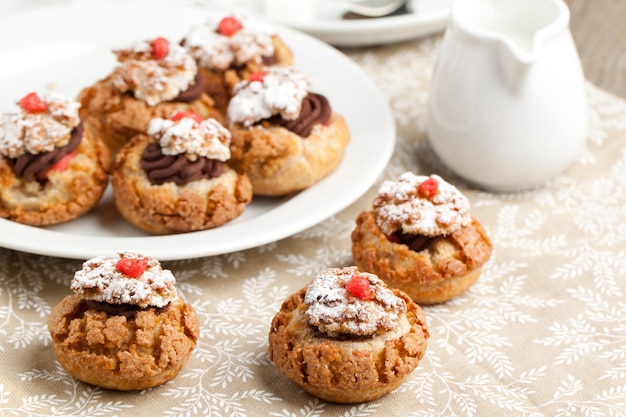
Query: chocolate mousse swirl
x: 193, y: 92
x: 161, y: 168
x: 315, y: 110
x: 416, y: 243
x: 269, y: 60
x: 266, y: 60
x: 32, y: 167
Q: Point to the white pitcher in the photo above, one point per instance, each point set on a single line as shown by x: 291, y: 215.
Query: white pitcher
x: 507, y: 108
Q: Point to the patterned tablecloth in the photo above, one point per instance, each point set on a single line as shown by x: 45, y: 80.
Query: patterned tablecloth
x: 542, y: 333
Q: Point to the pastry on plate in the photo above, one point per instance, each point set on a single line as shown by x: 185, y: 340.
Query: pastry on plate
x: 230, y: 47
x: 125, y: 327
x: 51, y: 169
x: 153, y: 78
x: 284, y: 136
x: 419, y: 236
x: 347, y: 337
x: 175, y: 178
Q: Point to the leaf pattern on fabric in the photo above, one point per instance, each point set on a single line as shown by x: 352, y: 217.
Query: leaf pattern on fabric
x: 542, y: 332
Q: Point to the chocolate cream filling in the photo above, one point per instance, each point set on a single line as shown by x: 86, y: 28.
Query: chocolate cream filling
x: 193, y: 92
x: 269, y: 60
x: 416, y: 243
x: 161, y: 168
x: 33, y: 167
x: 315, y: 110
x: 127, y: 310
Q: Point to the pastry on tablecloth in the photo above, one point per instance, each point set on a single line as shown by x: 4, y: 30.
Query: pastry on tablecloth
x: 51, y: 169
x: 284, y: 136
x: 175, y: 177
x: 420, y: 237
x: 125, y: 328
x: 347, y: 337
x: 154, y: 78
x: 228, y: 48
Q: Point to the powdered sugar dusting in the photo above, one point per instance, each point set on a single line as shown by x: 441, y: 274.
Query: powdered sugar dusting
x: 154, y: 80
x: 34, y: 133
x: 334, y: 311
x: 208, y: 139
x: 212, y: 50
x: 399, y: 207
x: 281, y: 92
x: 99, y: 280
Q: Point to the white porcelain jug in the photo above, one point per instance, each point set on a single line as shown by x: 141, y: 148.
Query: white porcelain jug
x: 507, y: 107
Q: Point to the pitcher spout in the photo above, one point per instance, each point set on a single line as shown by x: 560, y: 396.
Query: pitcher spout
x: 518, y: 29
x: 515, y: 64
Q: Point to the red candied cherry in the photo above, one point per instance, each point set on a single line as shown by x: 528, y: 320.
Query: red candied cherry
x: 428, y: 188
x: 160, y: 48
x: 32, y: 103
x: 258, y: 76
x: 190, y: 114
x: 60, y: 166
x: 63, y: 163
x: 359, y: 286
x: 228, y: 26
x: 132, y: 268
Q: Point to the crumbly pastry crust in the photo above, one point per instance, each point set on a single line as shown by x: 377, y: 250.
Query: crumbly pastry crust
x: 447, y: 268
x: 117, y: 117
x: 351, y: 370
x: 220, y: 84
x: 65, y: 196
x: 280, y: 162
x: 171, y: 208
x: 119, y: 353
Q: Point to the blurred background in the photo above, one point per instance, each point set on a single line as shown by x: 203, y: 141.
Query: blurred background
x: 599, y: 30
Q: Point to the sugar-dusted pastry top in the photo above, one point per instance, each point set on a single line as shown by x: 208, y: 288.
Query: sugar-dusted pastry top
x: 42, y: 124
x: 420, y: 205
x: 224, y: 41
x: 154, y: 70
x: 186, y: 133
x: 278, y: 91
x: 129, y: 278
x: 346, y: 301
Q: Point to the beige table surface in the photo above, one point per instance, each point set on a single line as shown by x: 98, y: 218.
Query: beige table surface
x: 600, y: 34
x: 542, y: 333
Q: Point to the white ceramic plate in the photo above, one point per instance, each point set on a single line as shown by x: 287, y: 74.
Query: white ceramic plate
x: 67, y: 47
x: 322, y: 19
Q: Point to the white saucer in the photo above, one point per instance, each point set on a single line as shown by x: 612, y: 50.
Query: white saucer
x: 323, y: 19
